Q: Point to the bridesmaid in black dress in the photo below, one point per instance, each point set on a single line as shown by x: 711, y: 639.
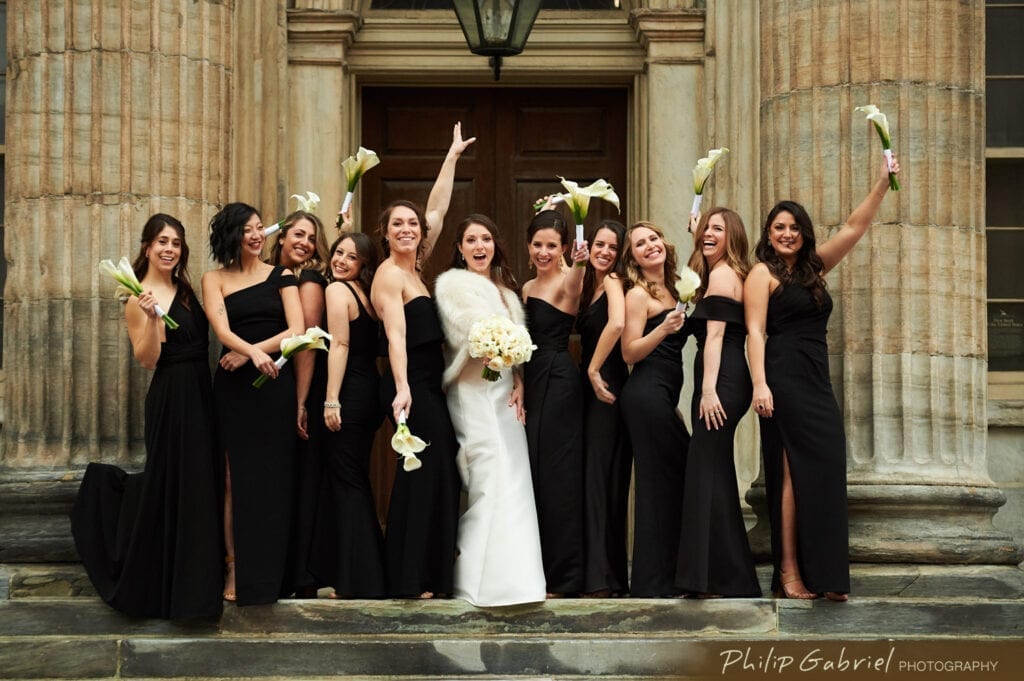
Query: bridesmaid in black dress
x: 653, y: 344
x: 252, y: 306
x: 554, y: 406
x: 348, y: 547
x: 802, y: 437
x: 301, y: 246
x: 714, y: 554
x: 419, y: 545
x: 607, y: 457
x: 151, y: 541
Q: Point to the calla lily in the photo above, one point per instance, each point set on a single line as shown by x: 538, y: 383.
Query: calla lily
x: 686, y: 287
x: 307, y: 203
x: 881, y: 123
x: 312, y: 339
x: 577, y: 198
x: 128, y: 285
x: 407, y: 445
x: 354, y: 168
x: 701, y: 173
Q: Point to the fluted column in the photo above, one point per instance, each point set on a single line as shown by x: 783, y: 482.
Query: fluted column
x: 907, y: 337
x: 115, y: 111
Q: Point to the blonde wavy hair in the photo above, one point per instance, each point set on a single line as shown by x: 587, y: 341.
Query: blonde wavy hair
x: 319, y: 258
x: 636, y: 275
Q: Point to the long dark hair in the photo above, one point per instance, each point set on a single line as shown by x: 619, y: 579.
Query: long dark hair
x: 318, y: 260
x: 369, y: 258
x: 618, y: 268
x: 226, y: 230
x: 736, y: 247
x: 385, y: 218
x: 500, y: 272
x: 808, y: 268
x: 548, y: 219
x: 179, y: 275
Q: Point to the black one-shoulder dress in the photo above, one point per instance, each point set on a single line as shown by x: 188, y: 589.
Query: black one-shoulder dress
x: 151, y: 541
x: 256, y: 428
x: 348, y: 546
x: 808, y: 426
x: 554, y: 435
x: 714, y: 554
x: 660, y: 442
x: 607, y: 461
x: 419, y: 544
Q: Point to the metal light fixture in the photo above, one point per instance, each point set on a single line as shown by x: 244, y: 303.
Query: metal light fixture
x: 496, y: 28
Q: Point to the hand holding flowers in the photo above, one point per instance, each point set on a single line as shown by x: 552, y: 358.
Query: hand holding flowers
x: 407, y: 445
x: 686, y: 288
x: 313, y: 339
x: 701, y: 173
x: 881, y: 123
x: 128, y: 285
x: 502, y: 343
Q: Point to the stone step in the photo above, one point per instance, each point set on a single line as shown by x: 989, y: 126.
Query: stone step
x: 583, y: 638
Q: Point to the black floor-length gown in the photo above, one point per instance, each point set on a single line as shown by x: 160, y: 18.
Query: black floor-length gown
x: 419, y: 545
x: 256, y: 428
x: 607, y: 462
x: 808, y: 426
x: 309, y: 464
x: 659, y: 439
x: 554, y: 434
x: 151, y: 541
x: 714, y: 554
x: 348, y: 546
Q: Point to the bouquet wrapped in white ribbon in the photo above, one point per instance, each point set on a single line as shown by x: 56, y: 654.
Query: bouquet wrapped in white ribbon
x: 407, y: 445
x: 502, y: 342
x: 313, y: 339
x: 701, y: 173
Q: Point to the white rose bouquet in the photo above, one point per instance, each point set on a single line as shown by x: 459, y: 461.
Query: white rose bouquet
x: 502, y: 342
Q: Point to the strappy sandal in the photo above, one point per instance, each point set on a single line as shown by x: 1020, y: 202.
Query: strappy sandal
x: 801, y: 594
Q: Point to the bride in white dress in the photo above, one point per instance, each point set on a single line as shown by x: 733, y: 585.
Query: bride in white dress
x: 499, y: 561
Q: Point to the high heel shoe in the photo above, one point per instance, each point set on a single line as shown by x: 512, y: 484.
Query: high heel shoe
x: 229, y: 578
x: 797, y: 592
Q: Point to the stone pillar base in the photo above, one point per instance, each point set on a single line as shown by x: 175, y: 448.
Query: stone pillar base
x: 931, y: 524
x: 34, y: 524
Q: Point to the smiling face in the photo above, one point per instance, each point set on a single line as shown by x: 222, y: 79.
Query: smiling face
x: 164, y: 251
x: 605, y: 251
x: 298, y: 244
x: 404, y: 230
x: 546, y: 248
x: 477, y: 248
x: 253, y: 236
x: 345, y: 262
x: 785, y: 236
x: 713, y: 240
x: 647, y: 248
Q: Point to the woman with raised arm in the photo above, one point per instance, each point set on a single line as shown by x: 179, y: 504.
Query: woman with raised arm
x: 348, y: 547
x: 499, y: 561
x: 653, y: 344
x: 252, y: 307
x: 554, y: 405
x: 151, y: 542
x: 714, y: 554
x: 423, y: 514
x: 607, y: 457
x: 802, y: 439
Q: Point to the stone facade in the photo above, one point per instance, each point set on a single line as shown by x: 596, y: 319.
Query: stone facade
x: 119, y: 110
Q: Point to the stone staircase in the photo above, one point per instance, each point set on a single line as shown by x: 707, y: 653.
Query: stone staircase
x: 51, y: 628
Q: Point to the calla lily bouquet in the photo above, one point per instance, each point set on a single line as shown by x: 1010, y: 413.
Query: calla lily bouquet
x: 313, y: 339
x: 502, y: 342
x: 407, y: 445
x: 128, y: 285
x: 307, y: 203
x: 881, y: 123
x: 577, y: 198
x: 701, y: 173
x: 355, y: 167
x: 686, y: 287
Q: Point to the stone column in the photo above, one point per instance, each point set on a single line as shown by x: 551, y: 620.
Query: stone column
x: 907, y: 337
x: 115, y: 111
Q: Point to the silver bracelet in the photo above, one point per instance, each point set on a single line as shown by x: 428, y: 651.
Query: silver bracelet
x: 332, y: 405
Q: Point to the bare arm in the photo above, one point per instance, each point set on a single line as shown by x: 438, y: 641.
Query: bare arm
x: 635, y: 345
x: 722, y: 281
x: 609, y: 337
x: 145, y: 328
x: 338, y: 301
x: 756, y: 291
x: 311, y: 299
x: 572, y: 279
x: 386, y: 294
x: 441, y: 193
x: 836, y: 248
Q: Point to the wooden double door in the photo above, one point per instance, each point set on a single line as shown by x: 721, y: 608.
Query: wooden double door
x: 526, y: 139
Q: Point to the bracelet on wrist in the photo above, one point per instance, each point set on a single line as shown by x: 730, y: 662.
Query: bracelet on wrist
x: 332, y: 405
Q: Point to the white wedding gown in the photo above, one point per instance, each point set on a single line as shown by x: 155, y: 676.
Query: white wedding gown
x: 499, y: 561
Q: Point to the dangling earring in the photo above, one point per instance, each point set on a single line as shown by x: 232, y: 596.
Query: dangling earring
x: 462, y: 258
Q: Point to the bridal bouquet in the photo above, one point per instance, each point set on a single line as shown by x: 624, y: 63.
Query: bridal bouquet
x: 701, y: 173
x: 503, y: 342
x: 881, y: 124
x: 313, y: 339
x: 686, y: 287
x: 354, y: 168
x: 407, y: 445
x: 577, y: 199
x: 307, y: 203
x: 128, y: 285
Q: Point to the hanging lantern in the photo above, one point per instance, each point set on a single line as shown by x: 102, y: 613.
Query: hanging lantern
x: 496, y: 28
